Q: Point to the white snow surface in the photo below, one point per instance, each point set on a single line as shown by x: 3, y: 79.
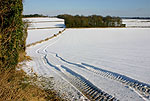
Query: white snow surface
x: 125, y: 51
x: 45, y: 22
x: 40, y: 34
x: 120, y: 50
x: 137, y: 22
x: 42, y: 19
x: 48, y: 25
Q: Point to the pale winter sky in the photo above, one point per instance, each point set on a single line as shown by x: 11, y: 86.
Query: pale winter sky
x: 88, y: 7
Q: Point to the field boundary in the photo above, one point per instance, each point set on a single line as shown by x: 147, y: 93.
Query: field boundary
x: 55, y: 35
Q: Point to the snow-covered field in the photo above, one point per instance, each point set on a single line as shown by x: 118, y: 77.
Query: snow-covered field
x: 45, y: 22
x: 125, y: 51
x: 42, y: 28
x: 143, y: 23
x: 113, y: 60
x: 40, y: 34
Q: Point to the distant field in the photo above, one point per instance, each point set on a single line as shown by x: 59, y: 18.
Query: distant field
x: 42, y: 28
x: 137, y: 23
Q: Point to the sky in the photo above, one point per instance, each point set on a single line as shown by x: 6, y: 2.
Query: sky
x: 122, y: 8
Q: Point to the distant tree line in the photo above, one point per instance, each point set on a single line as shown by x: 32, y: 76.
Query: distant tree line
x: 91, y: 21
x: 35, y: 15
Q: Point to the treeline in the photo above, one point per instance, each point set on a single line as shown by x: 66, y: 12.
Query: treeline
x: 13, y: 32
x: 91, y: 21
x: 34, y: 15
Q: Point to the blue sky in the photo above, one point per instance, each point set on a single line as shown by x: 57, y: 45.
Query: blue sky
x: 88, y: 7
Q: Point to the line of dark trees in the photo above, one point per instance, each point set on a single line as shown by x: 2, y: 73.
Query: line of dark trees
x: 34, y: 15
x: 91, y: 21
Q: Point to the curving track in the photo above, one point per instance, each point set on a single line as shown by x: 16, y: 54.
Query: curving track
x: 90, y: 90
x: 82, y: 84
x: 142, y: 88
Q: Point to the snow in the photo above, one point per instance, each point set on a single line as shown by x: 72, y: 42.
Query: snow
x: 136, y: 23
x: 94, y: 55
x: 47, y: 25
x: 45, y: 22
x: 46, y: 28
x: 38, y: 65
x: 40, y: 19
x: 125, y: 51
x: 40, y: 34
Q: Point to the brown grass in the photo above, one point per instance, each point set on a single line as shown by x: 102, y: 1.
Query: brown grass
x: 23, y: 57
x: 15, y: 86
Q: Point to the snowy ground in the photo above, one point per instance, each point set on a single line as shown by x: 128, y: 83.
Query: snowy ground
x: 124, y: 51
x: 42, y: 28
x: 40, y: 34
x: 137, y: 23
x: 45, y: 22
x: 113, y: 60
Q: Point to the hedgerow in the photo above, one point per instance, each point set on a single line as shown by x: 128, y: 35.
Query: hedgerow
x: 12, y: 32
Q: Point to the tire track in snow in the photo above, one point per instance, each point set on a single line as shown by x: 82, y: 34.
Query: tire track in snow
x: 107, y: 74
x: 140, y: 88
x: 86, y: 87
x: 42, y: 52
x: 79, y: 82
x: 60, y: 74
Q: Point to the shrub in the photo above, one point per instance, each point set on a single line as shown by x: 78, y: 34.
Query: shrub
x: 12, y: 33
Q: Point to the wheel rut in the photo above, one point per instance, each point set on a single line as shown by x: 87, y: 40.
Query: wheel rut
x: 141, y: 88
x: 82, y: 84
